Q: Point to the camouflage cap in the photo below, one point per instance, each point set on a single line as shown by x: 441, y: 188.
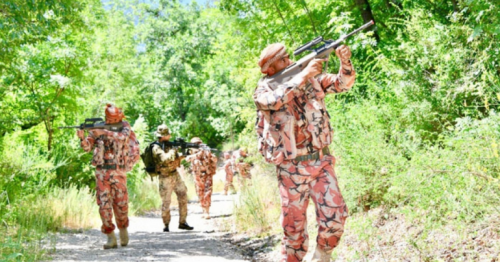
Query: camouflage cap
x: 196, y: 140
x: 162, y: 130
x: 269, y: 55
x: 113, y: 113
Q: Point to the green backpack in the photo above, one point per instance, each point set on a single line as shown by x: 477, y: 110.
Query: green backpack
x: 149, y: 161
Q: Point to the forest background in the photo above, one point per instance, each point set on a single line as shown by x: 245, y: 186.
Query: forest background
x: 416, y: 139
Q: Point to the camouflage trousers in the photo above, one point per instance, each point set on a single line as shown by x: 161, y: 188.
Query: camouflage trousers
x: 169, y: 184
x: 204, y: 189
x: 229, y: 180
x: 112, y: 196
x: 298, y: 182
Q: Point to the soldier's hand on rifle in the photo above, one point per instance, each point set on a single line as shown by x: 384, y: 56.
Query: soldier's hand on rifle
x: 99, y: 132
x: 312, y: 69
x: 344, y: 53
x: 80, y: 133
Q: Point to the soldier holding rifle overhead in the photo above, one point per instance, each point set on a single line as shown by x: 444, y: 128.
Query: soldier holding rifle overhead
x: 294, y: 132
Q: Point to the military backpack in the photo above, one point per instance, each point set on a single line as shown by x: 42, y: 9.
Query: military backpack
x: 149, y: 161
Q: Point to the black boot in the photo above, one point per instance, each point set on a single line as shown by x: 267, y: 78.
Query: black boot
x: 166, y: 228
x: 185, y: 226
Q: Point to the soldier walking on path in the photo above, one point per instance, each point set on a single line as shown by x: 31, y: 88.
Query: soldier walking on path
x: 203, y: 164
x: 112, y: 157
x: 167, y: 160
x: 229, y: 168
x: 243, y: 167
x: 294, y: 133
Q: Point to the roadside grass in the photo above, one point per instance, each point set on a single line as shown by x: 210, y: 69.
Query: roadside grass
x: 144, y: 196
x: 390, y: 235
x: 257, y: 210
x: 76, y: 207
x: 23, y: 233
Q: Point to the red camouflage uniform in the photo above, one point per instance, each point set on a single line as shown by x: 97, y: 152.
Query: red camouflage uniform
x: 204, y: 166
x: 293, y: 121
x: 110, y: 158
x: 228, y: 167
x: 243, y: 168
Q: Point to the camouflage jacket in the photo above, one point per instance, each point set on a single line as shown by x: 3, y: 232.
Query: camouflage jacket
x: 203, y: 163
x: 167, y: 161
x: 111, y: 149
x: 229, y: 165
x: 292, y: 120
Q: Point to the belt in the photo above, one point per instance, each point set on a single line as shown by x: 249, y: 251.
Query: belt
x: 313, y: 156
x: 167, y: 173
x: 110, y: 166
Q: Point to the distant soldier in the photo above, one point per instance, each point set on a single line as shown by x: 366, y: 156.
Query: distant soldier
x: 229, y: 168
x: 167, y: 160
x: 112, y: 159
x: 203, y: 164
x: 242, y: 167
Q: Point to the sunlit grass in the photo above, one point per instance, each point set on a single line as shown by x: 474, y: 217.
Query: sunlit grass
x: 258, y: 207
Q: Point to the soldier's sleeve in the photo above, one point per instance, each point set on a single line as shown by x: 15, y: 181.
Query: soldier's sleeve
x: 162, y: 155
x: 341, y: 82
x: 267, y: 99
x: 88, y: 143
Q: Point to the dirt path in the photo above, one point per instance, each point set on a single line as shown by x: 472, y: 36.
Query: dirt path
x: 149, y: 243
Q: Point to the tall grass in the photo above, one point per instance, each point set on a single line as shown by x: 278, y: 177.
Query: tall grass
x: 258, y: 208
x: 144, y: 196
x: 23, y: 234
x: 77, y: 208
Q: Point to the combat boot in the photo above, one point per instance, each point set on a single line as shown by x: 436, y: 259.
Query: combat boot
x: 321, y: 256
x: 207, y: 212
x: 185, y: 226
x: 111, y: 241
x: 166, y: 228
x: 123, y: 237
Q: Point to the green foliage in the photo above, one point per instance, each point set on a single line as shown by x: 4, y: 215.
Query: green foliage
x: 255, y: 213
x: 418, y: 132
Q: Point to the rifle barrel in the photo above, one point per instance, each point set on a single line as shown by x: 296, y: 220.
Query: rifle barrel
x: 361, y: 28
x: 63, y: 127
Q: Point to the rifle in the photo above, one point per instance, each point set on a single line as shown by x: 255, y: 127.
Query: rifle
x: 97, y: 123
x: 183, y: 145
x: 323, y: 51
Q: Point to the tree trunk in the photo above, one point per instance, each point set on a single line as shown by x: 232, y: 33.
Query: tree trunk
x: 284, y: 21
x: 455, y: 5
x: 310, y: 17
x: 366, y: 13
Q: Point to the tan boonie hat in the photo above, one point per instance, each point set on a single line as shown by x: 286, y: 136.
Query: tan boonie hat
x: 196, y: 140
x: 162, y: 130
